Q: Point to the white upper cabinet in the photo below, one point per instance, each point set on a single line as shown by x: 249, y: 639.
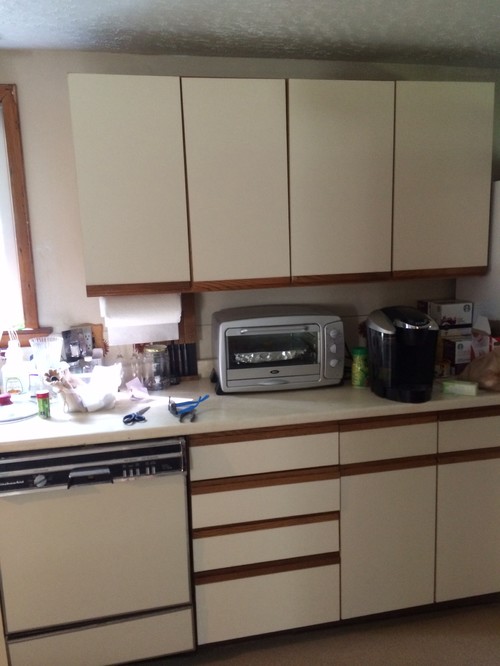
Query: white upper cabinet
x: 442, y: 175
x: 130, y: 166
x: 341, y: 168
x: 236, y: 161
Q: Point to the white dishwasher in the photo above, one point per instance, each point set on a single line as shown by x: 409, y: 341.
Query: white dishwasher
x: 94, y: 554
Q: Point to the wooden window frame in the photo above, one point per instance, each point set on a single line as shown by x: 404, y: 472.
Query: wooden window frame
x: 8, y: 100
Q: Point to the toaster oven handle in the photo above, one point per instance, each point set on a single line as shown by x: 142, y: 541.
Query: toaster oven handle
x: 266, y: 330
x: 272, y: 382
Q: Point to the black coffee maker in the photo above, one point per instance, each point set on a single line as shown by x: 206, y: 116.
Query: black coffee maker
x: 401, y: 351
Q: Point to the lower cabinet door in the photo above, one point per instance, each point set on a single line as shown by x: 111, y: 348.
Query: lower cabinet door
x: 263, y: 604
x: 111, y: 643
x: 387, y: 538
x: 468, y: 529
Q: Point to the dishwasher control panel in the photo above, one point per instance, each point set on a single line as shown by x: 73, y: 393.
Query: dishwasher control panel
x: 80, y: 465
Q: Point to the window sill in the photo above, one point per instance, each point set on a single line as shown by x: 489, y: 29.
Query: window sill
x: 25, y: 335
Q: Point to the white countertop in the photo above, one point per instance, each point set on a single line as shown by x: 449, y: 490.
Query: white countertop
x: 218, y: 413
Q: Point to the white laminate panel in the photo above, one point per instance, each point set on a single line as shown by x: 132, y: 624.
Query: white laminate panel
x: 265, y: 545
x: 387, y: 536
x: 442, y: 174
x: 384, y: 443
x: 239, y: 506
x: 236, y: 162
x: 3, y: 647
x: 468, y: 529
x: 265, y: 455
x: 341, y: 164
x: 263, y: 604
x: 119, y: 642
x: 469, y: 434
x: 127, y: 132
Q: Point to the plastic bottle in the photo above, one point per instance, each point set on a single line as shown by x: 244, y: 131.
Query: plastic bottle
x: 359, y: 371
x: 15, y: 372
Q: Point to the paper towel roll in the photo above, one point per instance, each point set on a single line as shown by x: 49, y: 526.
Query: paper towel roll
x: 131, y: 335
x: 141, y: 310
x: 138, y: 319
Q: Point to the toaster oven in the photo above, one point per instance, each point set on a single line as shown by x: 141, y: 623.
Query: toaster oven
x: 277, y: 347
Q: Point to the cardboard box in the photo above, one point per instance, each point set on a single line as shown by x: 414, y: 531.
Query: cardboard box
x: 458, y: 353
x: 453, y: 317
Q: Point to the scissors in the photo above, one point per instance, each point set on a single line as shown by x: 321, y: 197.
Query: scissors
x: 135, y: 417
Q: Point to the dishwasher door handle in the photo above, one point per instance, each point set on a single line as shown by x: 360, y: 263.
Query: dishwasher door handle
x: 89, y: 475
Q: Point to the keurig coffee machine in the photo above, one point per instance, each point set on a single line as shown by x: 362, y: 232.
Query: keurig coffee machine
x: 402, y: 350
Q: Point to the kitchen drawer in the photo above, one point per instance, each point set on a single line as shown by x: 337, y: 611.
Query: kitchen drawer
x: 111, y: 643
x: 263, y: 542
x: 469, y: 434
x: 227, y: 459
x: 261, y: 604
x: 261, y: 502
x: 386, y: 439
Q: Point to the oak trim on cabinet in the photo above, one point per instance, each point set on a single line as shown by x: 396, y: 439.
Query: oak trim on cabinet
x: 469, y: 413
x: 389, y: 465
x: 339, y: 278
x: 137, y: 289
x: 472, y: 455
x: 439, y: 272
x: 269, y: 524
x: 248, y: 481
x: 266, y: 568
x: 236, y: 436
x: 246, y: 283
x: 353, y: 425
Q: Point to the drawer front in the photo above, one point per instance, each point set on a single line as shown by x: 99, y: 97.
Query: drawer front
x: 263, y: 455
x: 385, y: 443
x: 111, y: 643
x: 469, y: 434
x: 263, y: 545
x: 261, y: 503
x: 263, y: 604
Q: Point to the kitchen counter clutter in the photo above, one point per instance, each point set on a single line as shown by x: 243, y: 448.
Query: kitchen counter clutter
x: 220, y: 414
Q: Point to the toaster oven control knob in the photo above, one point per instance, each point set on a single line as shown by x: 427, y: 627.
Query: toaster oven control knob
x: 333, y: 332
x: 334, y: 362
x: 333, y: 349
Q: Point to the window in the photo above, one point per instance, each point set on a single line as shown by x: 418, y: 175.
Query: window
x: 17, y: 271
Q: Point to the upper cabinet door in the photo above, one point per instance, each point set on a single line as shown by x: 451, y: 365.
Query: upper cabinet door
x: 341, y: 164
x: 130, y: 166
x: 236, y: 160
x: 442, y: 177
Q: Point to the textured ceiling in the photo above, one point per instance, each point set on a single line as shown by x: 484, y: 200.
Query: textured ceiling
x: 446, y: 32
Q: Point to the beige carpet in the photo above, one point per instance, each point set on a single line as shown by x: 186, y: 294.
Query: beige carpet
x: 466, y: 636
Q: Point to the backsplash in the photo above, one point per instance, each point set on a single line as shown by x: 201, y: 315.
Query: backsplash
x: 352, y: 302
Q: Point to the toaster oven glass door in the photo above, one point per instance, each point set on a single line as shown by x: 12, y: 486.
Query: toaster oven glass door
x: 273, y: 351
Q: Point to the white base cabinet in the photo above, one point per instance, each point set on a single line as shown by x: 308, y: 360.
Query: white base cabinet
x: 262, y: 604
x: 468, y: 517
x: 387, y: 524
x: 265, y: 532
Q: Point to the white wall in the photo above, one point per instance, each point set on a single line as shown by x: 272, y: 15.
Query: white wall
x: 51, y: 181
